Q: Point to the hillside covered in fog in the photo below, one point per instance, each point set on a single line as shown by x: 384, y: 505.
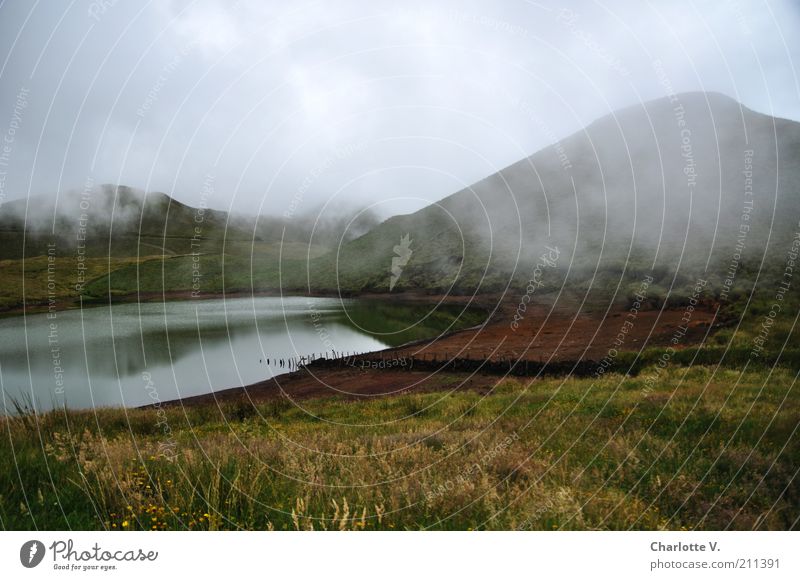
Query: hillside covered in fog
x: 681, y: 188
x: 695, y: 185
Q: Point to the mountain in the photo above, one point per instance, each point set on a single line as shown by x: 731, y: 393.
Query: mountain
x: 695, y: 186
x: 116, y: 240
x: 111, y: 221
x: 124, y: 222
x: 683, y: 187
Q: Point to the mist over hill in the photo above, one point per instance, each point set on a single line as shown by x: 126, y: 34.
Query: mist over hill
x: 109, y: 220
x: 689, y: 186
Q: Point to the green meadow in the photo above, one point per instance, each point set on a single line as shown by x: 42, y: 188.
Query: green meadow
x: 705, y: 448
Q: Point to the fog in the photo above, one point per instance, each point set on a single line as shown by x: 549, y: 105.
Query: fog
x: 96, y: 213
x: 390, y: 106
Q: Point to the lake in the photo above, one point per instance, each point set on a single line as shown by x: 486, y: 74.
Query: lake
x: 132, y: 354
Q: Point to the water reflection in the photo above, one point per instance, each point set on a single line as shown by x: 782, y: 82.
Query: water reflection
x: 97, y: 357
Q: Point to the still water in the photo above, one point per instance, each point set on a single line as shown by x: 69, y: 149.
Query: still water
x: 131, y: 354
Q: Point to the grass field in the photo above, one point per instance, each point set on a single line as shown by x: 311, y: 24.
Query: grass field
x: 705, y: 448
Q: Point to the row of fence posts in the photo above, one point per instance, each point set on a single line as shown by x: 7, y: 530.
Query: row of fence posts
x: 297, y: 362
x: 431, y: 361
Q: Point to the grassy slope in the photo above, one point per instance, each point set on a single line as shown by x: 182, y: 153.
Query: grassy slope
x: 123, y: 276
x: 705, y: 449
x: 32, y: 273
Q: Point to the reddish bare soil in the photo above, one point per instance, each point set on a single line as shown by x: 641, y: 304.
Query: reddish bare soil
x: 555, y: 335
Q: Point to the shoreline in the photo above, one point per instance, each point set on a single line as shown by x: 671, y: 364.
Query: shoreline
x: 548, y: 341
x: 474, y: 358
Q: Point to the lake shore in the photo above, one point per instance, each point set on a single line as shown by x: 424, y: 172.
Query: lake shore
x: 552, y: 341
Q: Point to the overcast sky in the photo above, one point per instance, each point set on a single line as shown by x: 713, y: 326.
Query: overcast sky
x: 284, y: 106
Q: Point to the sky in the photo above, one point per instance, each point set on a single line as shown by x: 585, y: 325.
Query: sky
x: 282, y: 108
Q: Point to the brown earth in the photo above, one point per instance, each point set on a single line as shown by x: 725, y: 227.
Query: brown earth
x: 545, y: 334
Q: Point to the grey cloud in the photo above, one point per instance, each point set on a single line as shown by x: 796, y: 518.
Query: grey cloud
x: 426, y: 98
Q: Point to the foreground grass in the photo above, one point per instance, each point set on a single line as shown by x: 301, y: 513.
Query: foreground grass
x: 706, y: 448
